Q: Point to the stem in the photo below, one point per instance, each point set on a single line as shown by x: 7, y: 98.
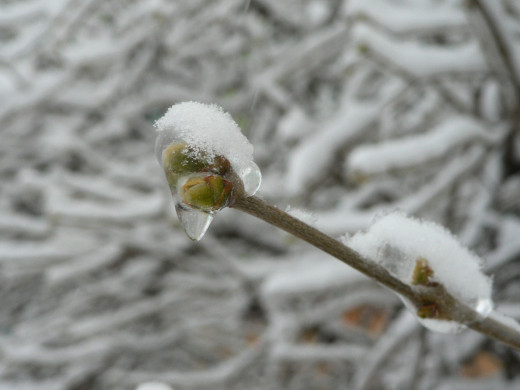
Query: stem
x: 449, y: 306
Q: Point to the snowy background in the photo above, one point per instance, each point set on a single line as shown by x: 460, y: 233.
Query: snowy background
x: 353, y: 107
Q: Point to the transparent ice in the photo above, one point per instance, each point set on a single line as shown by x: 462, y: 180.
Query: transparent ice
x: 194, y: 222
x: 251, y: 178
x: 213, y: 132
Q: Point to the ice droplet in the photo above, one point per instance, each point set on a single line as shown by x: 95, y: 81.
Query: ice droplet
x: 484, y: 306
x: 251, y: 178
x: 194, y: 222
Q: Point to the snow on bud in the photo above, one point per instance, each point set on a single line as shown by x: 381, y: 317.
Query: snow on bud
x: 207, y: 161
x: 424, y: 254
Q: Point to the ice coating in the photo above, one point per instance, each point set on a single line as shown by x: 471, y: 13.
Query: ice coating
x: 202, y: 152
x: 213, y: 131
x: 194, y: 222
x: 397, y: 241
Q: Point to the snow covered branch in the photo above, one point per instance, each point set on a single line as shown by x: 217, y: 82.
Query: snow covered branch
x: 432, y: 296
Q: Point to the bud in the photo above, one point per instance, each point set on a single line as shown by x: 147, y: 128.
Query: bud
x: 179, y: 160
x: 429, y: 311
x: 422, y: 273
x: 207, y: 193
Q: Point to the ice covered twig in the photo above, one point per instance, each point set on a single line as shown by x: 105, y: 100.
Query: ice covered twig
x: 420, y: 296
x: 209, y: 165
x: 425, y: 254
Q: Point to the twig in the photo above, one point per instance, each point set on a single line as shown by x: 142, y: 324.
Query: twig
x: 500, y: 43
x: 449, y: 306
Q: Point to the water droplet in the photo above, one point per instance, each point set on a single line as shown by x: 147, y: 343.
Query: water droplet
x: 484, y: 306
x: 194, y: 222
x: 251, y: 178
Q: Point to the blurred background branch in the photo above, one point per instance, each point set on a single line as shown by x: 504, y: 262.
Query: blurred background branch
x: 100, y: 289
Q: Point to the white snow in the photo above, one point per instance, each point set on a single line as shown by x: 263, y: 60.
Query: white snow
x: 421, y: 60
x: 408, y: 18
x: 208, y: 128
x: 312, y: 157
x: 153, y: 386
x: 396, y: 241
x: 416, y: 149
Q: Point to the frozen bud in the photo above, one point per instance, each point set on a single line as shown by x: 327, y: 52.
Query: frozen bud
x: 207, y: 161
x: 422, y: 273
x: 179, y: 160
x: 207, y: 192
x: 426, y: 255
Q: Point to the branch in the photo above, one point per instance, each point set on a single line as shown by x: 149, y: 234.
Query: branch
x: 449, y: 307
x: 500, y: 42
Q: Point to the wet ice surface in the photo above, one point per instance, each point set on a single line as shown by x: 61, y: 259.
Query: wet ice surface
x: 397, y: 242
x: 209, y: 140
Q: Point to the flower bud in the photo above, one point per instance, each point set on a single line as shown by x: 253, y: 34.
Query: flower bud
x: 422, y: 273
x: 179, y: 160
x: 207, y: 193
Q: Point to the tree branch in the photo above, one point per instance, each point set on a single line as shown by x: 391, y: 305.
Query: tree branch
x: 448, y: 306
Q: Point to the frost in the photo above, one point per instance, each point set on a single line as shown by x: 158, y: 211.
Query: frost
x: 399, y: 243
x: 201, y: 148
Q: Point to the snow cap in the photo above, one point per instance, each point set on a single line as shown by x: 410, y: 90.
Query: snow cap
x: 208, y: 128
x: 397, y: 242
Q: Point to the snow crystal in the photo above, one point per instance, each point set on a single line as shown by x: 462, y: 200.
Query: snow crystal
x: 397, y: 241
x: 209, y: 129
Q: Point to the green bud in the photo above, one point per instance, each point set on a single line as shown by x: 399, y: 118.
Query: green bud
x: 422, y: 273
x: 207, y: 193
x: 180, y: 159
